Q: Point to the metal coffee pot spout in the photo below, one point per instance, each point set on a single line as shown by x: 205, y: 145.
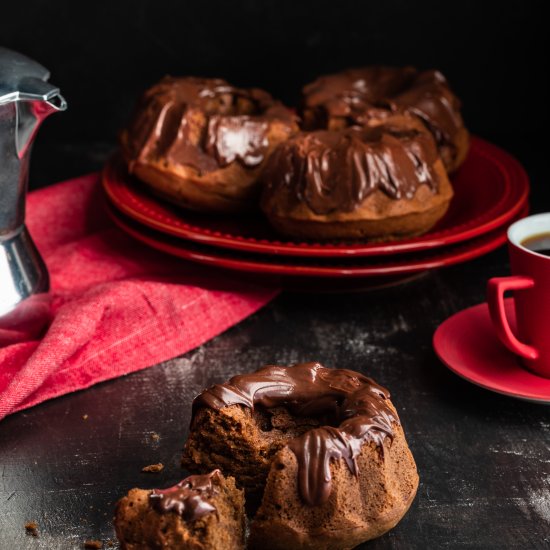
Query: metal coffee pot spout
x: 26, y: 99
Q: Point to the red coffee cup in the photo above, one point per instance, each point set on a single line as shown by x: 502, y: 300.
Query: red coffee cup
x: 531, y: 285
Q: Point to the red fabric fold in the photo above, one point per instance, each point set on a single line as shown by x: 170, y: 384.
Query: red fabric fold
x: 115, y: 306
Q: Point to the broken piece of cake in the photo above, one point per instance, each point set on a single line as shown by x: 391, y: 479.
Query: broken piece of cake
x: 201, y: 512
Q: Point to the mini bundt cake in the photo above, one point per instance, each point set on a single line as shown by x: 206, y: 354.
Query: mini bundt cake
x: 201, y: 143
x: 366, y: 96
x: 325, y: 446
x: 202, y: 512
x: 380, y: 182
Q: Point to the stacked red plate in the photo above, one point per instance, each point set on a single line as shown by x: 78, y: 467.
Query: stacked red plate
x: 491, y: 190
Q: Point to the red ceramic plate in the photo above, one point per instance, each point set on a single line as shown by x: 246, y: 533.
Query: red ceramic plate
x: 491, y: 188
x: 312, y: 267
x: 468, y: 345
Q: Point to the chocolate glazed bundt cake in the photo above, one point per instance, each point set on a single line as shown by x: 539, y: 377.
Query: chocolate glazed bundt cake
x: 366, y: 96
x: 201, y: 143
x: 202, y: 512
x: 325, y: 446
x: 380, y: 182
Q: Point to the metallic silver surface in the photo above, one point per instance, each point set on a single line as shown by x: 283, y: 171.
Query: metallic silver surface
x: 22, y: 271
x: 26, y: 99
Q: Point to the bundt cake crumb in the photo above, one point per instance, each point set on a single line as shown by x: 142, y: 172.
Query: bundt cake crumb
x: 93, y: 544
x: 32, y: 528
x: 153, y: 468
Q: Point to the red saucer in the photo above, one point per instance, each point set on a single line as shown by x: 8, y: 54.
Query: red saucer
x: 312, y: 267
x: 468, y: 345
x: 491, y: 188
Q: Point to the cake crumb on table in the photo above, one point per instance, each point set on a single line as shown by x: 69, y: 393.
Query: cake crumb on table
x: 93, y: 544
x: 32, y: 528
x: 153, y: 468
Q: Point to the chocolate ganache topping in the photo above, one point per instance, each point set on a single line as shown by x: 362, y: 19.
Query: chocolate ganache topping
x: 355, y: 407
x: 189, y: 498
x: 359, y: 95
x: 335, y: 171
x: 203, y: 123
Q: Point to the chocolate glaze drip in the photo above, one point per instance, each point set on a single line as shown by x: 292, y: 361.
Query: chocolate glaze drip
x: 354, y: 402
x: 337, y: 170
x: 189, y: 498
x: 203, y: 123
x: 360, y: 95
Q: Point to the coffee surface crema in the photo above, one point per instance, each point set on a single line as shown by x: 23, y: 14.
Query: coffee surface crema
x: 539, y: 243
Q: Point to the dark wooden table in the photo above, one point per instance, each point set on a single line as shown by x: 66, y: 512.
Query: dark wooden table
x: 484, y: 459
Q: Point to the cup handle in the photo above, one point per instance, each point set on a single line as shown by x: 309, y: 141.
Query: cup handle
x: 496, y: 287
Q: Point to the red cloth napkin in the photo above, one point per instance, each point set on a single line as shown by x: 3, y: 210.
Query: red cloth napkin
x: 115, y: 306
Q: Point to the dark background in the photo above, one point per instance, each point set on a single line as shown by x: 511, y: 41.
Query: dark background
x: 483, y: 458
x: 104, y: 54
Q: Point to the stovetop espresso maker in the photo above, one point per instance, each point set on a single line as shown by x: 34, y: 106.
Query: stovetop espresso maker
x: 26, y: 99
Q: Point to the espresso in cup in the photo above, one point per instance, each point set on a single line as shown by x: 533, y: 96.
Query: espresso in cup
x: 538, y: 243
